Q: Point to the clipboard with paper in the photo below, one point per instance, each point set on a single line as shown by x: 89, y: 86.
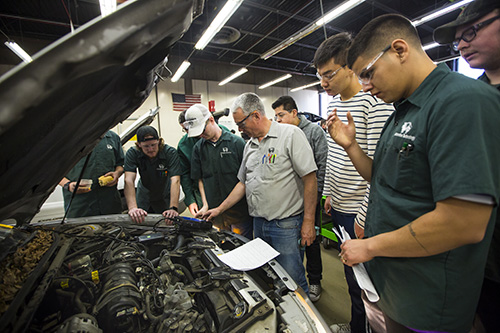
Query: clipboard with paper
x: 362, y: 277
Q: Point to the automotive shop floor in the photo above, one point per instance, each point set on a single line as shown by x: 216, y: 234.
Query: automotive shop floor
x: 334, y: 304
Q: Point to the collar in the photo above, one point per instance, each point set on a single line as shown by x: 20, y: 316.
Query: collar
x: 421, y: 94
x: 303, y: 121
x: 272, y: 133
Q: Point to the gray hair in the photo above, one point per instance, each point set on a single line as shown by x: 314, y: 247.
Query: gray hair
x: 248, y: 103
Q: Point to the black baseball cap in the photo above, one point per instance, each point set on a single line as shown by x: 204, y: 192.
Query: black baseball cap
x: 445, y: 34
x: 145, y: 131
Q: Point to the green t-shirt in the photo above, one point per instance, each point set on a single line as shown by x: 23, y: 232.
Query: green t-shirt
x: 441, y: 142
x: 153, y: 190
x: 217, y: 164
x: 101, y: 200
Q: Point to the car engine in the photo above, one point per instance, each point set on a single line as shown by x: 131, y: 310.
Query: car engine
x: 122, y: 277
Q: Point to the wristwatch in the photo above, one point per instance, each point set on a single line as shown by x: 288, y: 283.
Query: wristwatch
x: 66, y: 186
x: 174, y: 208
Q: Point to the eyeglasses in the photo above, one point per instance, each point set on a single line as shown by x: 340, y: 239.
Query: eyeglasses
x: 471, y: 33
x: 241, y: 123
x: 329, y: 77
x: 365, y: 76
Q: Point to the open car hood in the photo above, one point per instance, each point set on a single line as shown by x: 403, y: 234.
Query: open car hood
x: 54, y: 110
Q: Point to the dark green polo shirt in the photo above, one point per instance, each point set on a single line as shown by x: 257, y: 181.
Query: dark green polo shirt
x: 218, y: 164
x: 153, y: 190
x: 442, y: 141
x: 189, y: 186
x: 492, y: 270
x: 101, y: 200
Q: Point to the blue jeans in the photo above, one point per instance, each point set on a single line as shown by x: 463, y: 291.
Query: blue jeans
x: 358, y: 314
x: 283, y: 235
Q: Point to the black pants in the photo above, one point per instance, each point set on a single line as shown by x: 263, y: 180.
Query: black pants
x: 314, y: 265
x: 488, y: 308
x: 358, y: 313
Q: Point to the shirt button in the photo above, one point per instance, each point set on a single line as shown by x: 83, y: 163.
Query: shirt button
x: 396, y: 123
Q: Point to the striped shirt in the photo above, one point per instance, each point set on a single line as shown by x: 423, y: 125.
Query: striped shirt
x: 348, y: 190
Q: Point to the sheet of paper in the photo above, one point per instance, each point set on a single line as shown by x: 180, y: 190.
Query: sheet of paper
x: 249, y: 256
x: 360, y: 272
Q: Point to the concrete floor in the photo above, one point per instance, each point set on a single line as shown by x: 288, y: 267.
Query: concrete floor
x: 334, y: 304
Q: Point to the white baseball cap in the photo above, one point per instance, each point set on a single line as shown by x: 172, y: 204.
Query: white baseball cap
x: 196, y: 117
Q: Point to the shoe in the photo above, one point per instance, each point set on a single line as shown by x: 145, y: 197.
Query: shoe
x: 341, y: 328
x: 315, y: 292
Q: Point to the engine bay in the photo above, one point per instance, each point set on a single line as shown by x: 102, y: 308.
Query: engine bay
x: 116, y: 277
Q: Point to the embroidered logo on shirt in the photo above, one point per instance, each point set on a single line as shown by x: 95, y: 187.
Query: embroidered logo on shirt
x: 225, y: 151
x: 109, y: 146
x: 405, y: 129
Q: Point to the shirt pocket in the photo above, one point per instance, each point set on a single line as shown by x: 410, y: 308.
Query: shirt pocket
x: 397, y: 170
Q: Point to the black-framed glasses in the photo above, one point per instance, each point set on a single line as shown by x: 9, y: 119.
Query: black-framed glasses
x: 366, y: 74
x: 469, y: 34
x: 329, y: 77
x: 241, y: 123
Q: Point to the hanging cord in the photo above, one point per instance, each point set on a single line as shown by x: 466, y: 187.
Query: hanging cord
x: 322, y: 15
x: 76, y: 187
x: 158, y: 107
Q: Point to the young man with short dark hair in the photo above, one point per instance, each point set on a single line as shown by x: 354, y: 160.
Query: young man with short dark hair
x: 434, y: 181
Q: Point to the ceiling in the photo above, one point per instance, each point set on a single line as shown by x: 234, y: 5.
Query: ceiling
x: 259, y: 25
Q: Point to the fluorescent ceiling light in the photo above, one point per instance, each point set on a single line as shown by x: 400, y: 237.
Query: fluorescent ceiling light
x: 234, y: 76
x: 225, y: 13
x: 182, y: 68
x: 306, y: 86
x: 331, y: 15
x: 107, y: 7
x: 338, y: 11
x: 18, y: 50
x: 282, y: 78
x: 440, y: 12
x: 430, y: 46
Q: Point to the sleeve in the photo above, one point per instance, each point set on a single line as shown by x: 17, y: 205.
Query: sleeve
x: 186, y: 182
x: 174, y: 166
x: 463, y: 136
x: 242, y: 172
x: 131, y: 163
x: 301, y: 153
x: 240, y: 146
x: 119, y: 155
x: 196, y: 173
x: 320, y: 149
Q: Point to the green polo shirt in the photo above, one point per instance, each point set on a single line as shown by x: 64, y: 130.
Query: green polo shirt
x: 101, y: 200
x: 217, y: 164
x: 441, y: 142
x: 153, y: 190
x: 189, y: 186
x: 492, y: 270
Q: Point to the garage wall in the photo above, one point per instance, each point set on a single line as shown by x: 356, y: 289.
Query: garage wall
x: 307, y: 100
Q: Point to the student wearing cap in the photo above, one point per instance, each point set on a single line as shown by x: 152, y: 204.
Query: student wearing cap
x: 106, y: 160
x: 185, y: 146
x: 215, y: 163
x: 434, y: 181
x: 159, y: 186
x: 476, y: 35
